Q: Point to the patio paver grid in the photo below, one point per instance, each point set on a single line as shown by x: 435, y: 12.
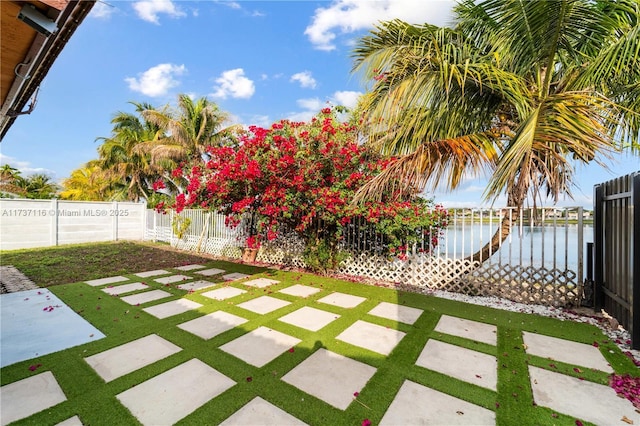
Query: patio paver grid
x: 324, y: 374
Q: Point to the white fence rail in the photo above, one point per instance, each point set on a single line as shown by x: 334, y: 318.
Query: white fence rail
x: 541, y: 261
x: 41, y: 223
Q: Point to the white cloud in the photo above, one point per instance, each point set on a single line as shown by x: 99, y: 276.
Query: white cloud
x: 347, y: 98
x: 158, y: 80
x: 233, y: 83
x: 305, y: 79
x: 25, y: 167
x: 102, y: 10
x: 348, y: 16
x: 149, y: 10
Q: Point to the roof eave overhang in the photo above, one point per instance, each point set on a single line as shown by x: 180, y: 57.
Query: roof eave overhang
x: 46, y: 50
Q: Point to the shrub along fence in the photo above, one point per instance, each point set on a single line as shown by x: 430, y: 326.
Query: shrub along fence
x: 540, y: 262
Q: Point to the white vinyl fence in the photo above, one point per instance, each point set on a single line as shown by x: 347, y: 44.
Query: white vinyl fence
x: 41, y: 223
x: 541, y: 261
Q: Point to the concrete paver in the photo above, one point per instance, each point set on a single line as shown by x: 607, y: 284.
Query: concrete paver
x: 565, y: 351
x: 124, y: 359
x: 211, y: 325
x: 72, y: 421
x: 174, y: 394
x: 172, y: 279
x: 300, y: 290
x: 260, y: 346
x: 155, y: 273
x: 169, y: 309
x: 263, y: 304
x: 234, y: 276
x: 472, y: 330
x: 372, y: 336
x: 196, y: 285
x: 399, y: 313
x: 309, y: 318
x: 36, y: 322
x: 29, y: 396
x: 190, y: 267
x: 582, y: 399
x: 260, y: 412
x: 124, y: 288
x: 462, y: 363
x: 223, y: 293
x: 210, y: 272
x: 108, y: 280
x: 434, y: 407
x: 260, y: 282
x: 147, y: 296
x: 342, y: 300
x: 330, y: 377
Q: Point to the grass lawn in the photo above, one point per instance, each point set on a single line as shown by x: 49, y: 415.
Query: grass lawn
x: 94, y: 401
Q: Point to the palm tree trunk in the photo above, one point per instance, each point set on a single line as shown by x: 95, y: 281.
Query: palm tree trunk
x: 497, y: 239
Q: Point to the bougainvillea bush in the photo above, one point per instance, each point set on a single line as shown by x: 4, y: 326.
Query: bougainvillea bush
x: 302, y: 177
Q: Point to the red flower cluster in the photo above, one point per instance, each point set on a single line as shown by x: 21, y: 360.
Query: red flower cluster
x: 296, y: 176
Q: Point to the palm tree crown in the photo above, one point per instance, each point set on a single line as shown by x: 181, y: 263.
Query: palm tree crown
x: 520, y: 89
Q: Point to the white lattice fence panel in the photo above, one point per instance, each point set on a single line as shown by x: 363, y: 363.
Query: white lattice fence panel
x: 527, y: 284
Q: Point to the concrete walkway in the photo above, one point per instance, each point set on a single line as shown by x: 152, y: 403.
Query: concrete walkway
x: 331, y: 377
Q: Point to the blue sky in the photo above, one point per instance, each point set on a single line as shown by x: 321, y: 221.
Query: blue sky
x: 261, y: 61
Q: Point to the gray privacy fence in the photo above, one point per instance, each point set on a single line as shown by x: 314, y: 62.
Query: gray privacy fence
x: 41, y: 223
x: 617, y: 251
x: 541, y: 261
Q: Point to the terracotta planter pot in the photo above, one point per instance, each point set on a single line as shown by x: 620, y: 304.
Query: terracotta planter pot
x: 249, y: 255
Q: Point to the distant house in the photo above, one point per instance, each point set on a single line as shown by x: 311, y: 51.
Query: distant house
x: 34, y: 33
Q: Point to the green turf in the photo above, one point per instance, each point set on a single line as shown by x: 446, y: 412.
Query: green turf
x: 95, y: 403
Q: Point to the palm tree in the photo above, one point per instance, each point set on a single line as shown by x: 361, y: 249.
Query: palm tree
x: 39, y: 186
x: 188, y: 130
x: 11, y: 181
x: 122, y: 158
x: 519, y: 89
x: 89, y: 183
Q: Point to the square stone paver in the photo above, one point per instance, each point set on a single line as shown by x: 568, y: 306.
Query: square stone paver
x: 435, y: 408
x: 372, y: 336
x: 309, y: 318
x: 342, y: 300
x: 300, y: 290
x: 210, y: 272
x: 260, y: 282
x: 147, y: 296
x: 462, y: 363
x: 263, y: 304
x: 399, y: 313
x: 223, y: 293
x: 29, y: 396
x: 565, y: 351
x: 260, y: 412
x: 189, y: 267
x: 330, y: 377
x: 172, y: 279
x: 196, y: 285
x: 132, y: 356
x: 472, y: 330
x: 109, y: 280
x: 71, y: 421
x: 234, y: 276
x: 581, y: 399
x: 174, y: 394
x: 125, y: 288
x: 154, y: 273
x: 169, y: 309
x: 213, y: 324
x: 260, y: 346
